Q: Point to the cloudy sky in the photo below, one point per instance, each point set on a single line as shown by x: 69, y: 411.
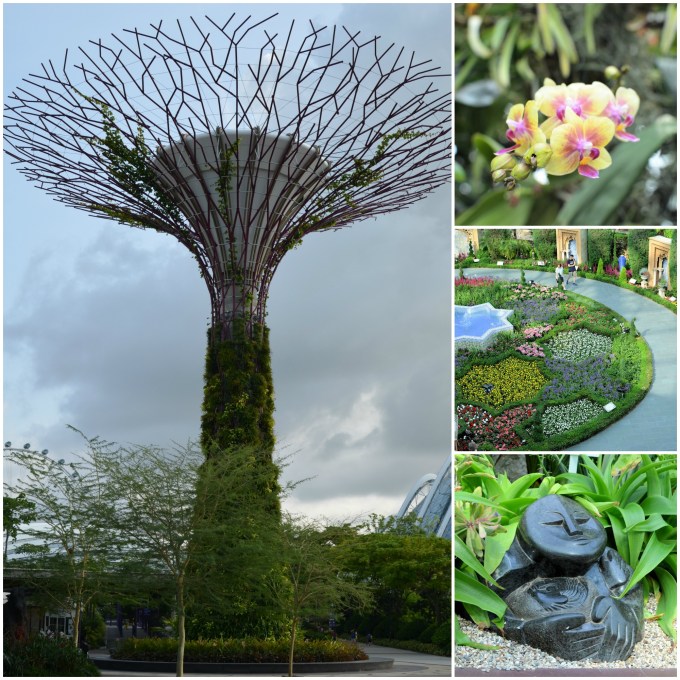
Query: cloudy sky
x: 104, y: 325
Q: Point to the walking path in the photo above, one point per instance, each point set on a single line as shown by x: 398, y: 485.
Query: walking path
x: 652, y: 424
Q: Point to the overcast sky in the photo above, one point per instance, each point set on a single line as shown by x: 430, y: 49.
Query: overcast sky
x: 104, y: 325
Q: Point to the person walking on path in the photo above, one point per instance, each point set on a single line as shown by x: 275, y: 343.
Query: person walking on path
x: 571, y: 264
x: 559, y: 276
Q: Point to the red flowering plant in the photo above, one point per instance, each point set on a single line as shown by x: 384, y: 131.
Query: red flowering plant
x: 480, y: 427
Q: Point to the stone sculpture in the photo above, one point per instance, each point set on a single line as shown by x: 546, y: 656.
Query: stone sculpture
x: 562, y: 585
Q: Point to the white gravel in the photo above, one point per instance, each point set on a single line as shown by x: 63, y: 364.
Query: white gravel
x: 656, y: 650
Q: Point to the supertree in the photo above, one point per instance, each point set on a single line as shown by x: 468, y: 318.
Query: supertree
x: 238, y: 141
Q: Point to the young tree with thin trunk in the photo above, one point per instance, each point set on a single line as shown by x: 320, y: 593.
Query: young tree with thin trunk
x: 183, y: 516
x: 70, y: 543
x: 315, y: 583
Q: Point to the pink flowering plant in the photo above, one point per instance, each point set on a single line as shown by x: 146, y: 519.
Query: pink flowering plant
x: 537, y: 331
x: 580, y: 121
x: 531, y: 349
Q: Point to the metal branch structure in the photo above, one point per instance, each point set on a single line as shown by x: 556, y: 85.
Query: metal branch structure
x: 236, y: 140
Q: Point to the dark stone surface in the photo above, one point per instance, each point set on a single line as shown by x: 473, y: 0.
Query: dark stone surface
x: 562, y: 585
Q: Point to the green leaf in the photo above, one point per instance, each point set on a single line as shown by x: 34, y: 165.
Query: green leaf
x: 668, y: 603
x: 470, y: 559
x: 669, y: 29
x: 496, y: 546
x: 660, y: 505
x: 474, y: 26
x: 652, y: 523
x: 597, y: 199
x: 591, y: 12
x: 544, y: 27
x: 474, y: 498
x: 655, y: 552
x: 494, y: 209
x: 464, y: 640
x: 519, y: 486
x: 505, y: 57
x: 468, y: 589
x: 517, y: 505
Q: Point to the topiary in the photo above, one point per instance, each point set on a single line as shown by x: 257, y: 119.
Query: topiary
x: 600, y: 268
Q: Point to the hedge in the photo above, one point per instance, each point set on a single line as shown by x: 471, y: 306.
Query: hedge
x: 248, y: 650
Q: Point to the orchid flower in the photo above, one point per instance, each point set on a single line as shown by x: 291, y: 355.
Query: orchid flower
x: 523, y: 128
x: 580, y: 143
x: 622, y: 109
x: 584, y: 100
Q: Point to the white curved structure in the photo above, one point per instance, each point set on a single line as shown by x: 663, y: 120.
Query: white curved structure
x: 240, y: 191
x: 430, y: 499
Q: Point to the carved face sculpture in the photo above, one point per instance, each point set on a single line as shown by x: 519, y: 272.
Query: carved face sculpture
x: 560, y: 530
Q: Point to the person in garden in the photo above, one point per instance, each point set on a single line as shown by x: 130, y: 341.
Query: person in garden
x: 563, y: 585
x: 622, y: 261
x: 559, y: 275
x: 571, y: 265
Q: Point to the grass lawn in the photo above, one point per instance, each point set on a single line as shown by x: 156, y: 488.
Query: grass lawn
x: 544, y: 386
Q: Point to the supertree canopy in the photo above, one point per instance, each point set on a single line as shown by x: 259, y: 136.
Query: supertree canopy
x: 238, y: 141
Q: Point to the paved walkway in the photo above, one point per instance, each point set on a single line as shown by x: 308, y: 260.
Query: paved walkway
x: 406, y: 664
x: 652, y: 424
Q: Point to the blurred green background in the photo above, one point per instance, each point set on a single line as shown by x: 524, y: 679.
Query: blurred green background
x: 503, y: 52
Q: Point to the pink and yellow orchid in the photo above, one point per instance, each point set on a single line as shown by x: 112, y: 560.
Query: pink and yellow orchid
x: 523, y: 128
x: 584, y: 100
x: 622, y: 109
x: 579, y: 144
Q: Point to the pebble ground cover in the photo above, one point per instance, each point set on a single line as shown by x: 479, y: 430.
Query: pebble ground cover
x: 545, y: 385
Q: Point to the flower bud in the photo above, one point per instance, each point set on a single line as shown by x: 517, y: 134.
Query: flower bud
x: 612, y: 73
x: 538, y: 155
x: 510, y: 183
x: 521, y: 171
x: 498, y: 175
x: 505, y: 161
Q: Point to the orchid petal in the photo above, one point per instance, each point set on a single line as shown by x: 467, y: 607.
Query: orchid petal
x: 588, y: 171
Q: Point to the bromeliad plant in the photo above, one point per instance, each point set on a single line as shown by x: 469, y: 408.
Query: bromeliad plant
x: 581, y: 120
x: 633, y: 496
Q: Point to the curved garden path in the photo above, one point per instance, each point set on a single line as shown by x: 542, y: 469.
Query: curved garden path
x: 652, y: 424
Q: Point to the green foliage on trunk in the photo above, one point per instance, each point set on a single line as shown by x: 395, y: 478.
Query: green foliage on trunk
x: 238, y: 404
x: 545, y: 243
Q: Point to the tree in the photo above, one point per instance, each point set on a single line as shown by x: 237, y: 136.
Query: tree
x: 315, y: 582
x: 16, y: 511
x: 70, y: 541
x: 186, y: 518
x: 411, y: 570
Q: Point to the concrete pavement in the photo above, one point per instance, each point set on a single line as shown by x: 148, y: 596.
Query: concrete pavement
x: 652, y: 424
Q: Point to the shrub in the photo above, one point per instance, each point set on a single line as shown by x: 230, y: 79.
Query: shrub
x: 638, y: 249
x: 426, y: 635
x: 442, y: 636
x: 600, y: 268
x: 411, y: 630
x: 600, y: 245
x: 47, y: 657
x: 623, y: 278
x: 248, y: 650
x: 94, y: 628
x: 545, y: 243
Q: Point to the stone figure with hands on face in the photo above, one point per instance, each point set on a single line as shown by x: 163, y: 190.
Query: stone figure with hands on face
x: 563, y: 585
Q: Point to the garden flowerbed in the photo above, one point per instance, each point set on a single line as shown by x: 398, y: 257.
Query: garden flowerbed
x: 570, y: 368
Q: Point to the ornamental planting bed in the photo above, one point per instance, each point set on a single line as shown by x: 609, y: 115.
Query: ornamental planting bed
x: 570, y: 368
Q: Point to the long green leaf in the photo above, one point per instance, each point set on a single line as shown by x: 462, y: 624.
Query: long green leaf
x: 494, y: 209
x: 496, y: 546
x: 596, y: 200
x: 519, y: 486
x: 468, y: 589
x: 544, y: 27
x: 465, y: 640
x: 659, y: 505
x: 592, y: 11
x: 470, y: 559
x: 654, y: 554
x: 668, y: 604
x: 652, y: 523
x: 474, y: 498
x: 505, y: 57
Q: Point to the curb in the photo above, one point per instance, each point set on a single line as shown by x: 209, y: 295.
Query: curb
x: 377, y: 663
